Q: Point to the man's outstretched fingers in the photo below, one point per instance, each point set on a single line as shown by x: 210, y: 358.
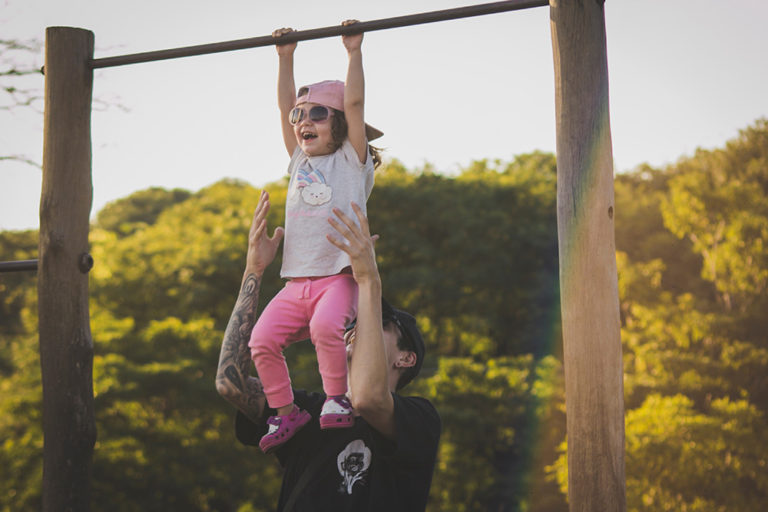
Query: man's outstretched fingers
x: 335, y: 241
x: 347, y: 232
x: 343, y: 217
x: 362, y: 219
x: 358, y: 230
x: 259, y: 215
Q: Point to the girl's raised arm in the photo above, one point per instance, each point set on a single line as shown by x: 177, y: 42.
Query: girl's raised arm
x: 286, y: 88
x: 354, y: 93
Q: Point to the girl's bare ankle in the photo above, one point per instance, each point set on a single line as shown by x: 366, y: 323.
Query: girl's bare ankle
x: 285, y: 410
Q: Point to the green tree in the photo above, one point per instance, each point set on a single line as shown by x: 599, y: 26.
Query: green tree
x: 501, y: 416
x: 20, y: 382
x: 706, y: 343
x: 642, y: 236
x: 475, y: 255
x: 681, y: 459
x: 719, y: 201
x: 21, y: 396
x: 15, y: 288
x: 673, y: 347
x: 183, y: 264
x: 166, y: 437
x: 139, y: 210
x: 693, y: 324
x: 167, y: 266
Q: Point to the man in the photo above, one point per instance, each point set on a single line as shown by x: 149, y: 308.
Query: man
x: 385, y: 461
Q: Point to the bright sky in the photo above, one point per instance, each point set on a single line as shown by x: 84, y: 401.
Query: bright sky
x: 683, y: 74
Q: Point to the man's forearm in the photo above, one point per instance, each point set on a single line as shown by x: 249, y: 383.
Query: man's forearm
x: 368, y: 378
x: 233, y: 380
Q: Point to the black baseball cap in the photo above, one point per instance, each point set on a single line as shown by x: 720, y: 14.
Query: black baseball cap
x: 409, y: 331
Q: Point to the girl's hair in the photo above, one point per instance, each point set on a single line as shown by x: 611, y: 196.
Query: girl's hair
x: 339, y: 133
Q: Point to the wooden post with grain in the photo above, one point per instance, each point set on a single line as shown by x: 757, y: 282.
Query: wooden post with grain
x: 588, y: 274
x: 66, y: 348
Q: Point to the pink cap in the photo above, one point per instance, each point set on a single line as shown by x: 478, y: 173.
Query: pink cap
x: 330, y: 93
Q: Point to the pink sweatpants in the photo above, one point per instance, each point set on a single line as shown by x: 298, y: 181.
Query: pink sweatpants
x: 316, y: 308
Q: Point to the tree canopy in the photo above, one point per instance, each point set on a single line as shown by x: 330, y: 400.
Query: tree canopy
x: 474, y: 256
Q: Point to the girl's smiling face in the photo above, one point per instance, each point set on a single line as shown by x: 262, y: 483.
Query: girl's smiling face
x: 314, y: 137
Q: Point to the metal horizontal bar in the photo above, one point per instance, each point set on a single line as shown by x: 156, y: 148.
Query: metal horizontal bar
x: 18, y: 266
x: 319, y: 33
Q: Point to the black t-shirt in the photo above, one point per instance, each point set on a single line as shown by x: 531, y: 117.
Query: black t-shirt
x: 365, y: 471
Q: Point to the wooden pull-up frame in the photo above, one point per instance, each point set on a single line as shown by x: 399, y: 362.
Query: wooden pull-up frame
x: 588, y: 275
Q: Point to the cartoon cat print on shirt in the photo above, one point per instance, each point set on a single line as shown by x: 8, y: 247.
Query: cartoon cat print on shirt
x: 353, y: 463
x: 313, y: 188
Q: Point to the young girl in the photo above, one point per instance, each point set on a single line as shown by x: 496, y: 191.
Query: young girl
x: 331, y: 165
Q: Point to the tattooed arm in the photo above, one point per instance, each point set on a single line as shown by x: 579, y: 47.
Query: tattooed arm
x: 233, y: 380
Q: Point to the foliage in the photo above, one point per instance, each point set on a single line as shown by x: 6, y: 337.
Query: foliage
x: 165, y: 436
x: 500, y: 417
x: 475, y: 256
x: 168, y: 264
x: 641, y: 235
x: 139, y: 210
x: 18, y: 288
x: 196, y: 244
x: 483, y: 250
x: 21, y: 395
x: 719, y: 201
x: 21, y: 423
x: 693, y: 329
x: 681, y: 458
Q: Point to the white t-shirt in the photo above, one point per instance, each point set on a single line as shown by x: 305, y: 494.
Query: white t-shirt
x: 318, y: 184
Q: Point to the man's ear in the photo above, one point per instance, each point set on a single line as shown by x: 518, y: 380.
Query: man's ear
x: 406, y: 360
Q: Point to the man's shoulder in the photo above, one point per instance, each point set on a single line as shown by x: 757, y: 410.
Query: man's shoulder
x: 418, y: 407
x: 414, y: 401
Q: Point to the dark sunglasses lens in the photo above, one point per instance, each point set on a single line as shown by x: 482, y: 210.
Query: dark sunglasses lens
x: 295, y: 115
x: 318, y: 113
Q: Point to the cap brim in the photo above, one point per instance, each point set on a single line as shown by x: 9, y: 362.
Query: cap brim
x: 372, y: 133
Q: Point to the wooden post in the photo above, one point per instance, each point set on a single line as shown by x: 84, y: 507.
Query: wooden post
x: 588, y: 275
x: 66, y: 348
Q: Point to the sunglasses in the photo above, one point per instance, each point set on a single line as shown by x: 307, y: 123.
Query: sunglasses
x: 316, y: 114
x: 386, y: 320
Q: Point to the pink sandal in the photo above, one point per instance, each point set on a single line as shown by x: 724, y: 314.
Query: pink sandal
x: 336, y: 413
x: 282, y: 428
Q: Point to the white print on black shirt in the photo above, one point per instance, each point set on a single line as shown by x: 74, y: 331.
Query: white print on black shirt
x: 314, y: 190
x: 353, y: 463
